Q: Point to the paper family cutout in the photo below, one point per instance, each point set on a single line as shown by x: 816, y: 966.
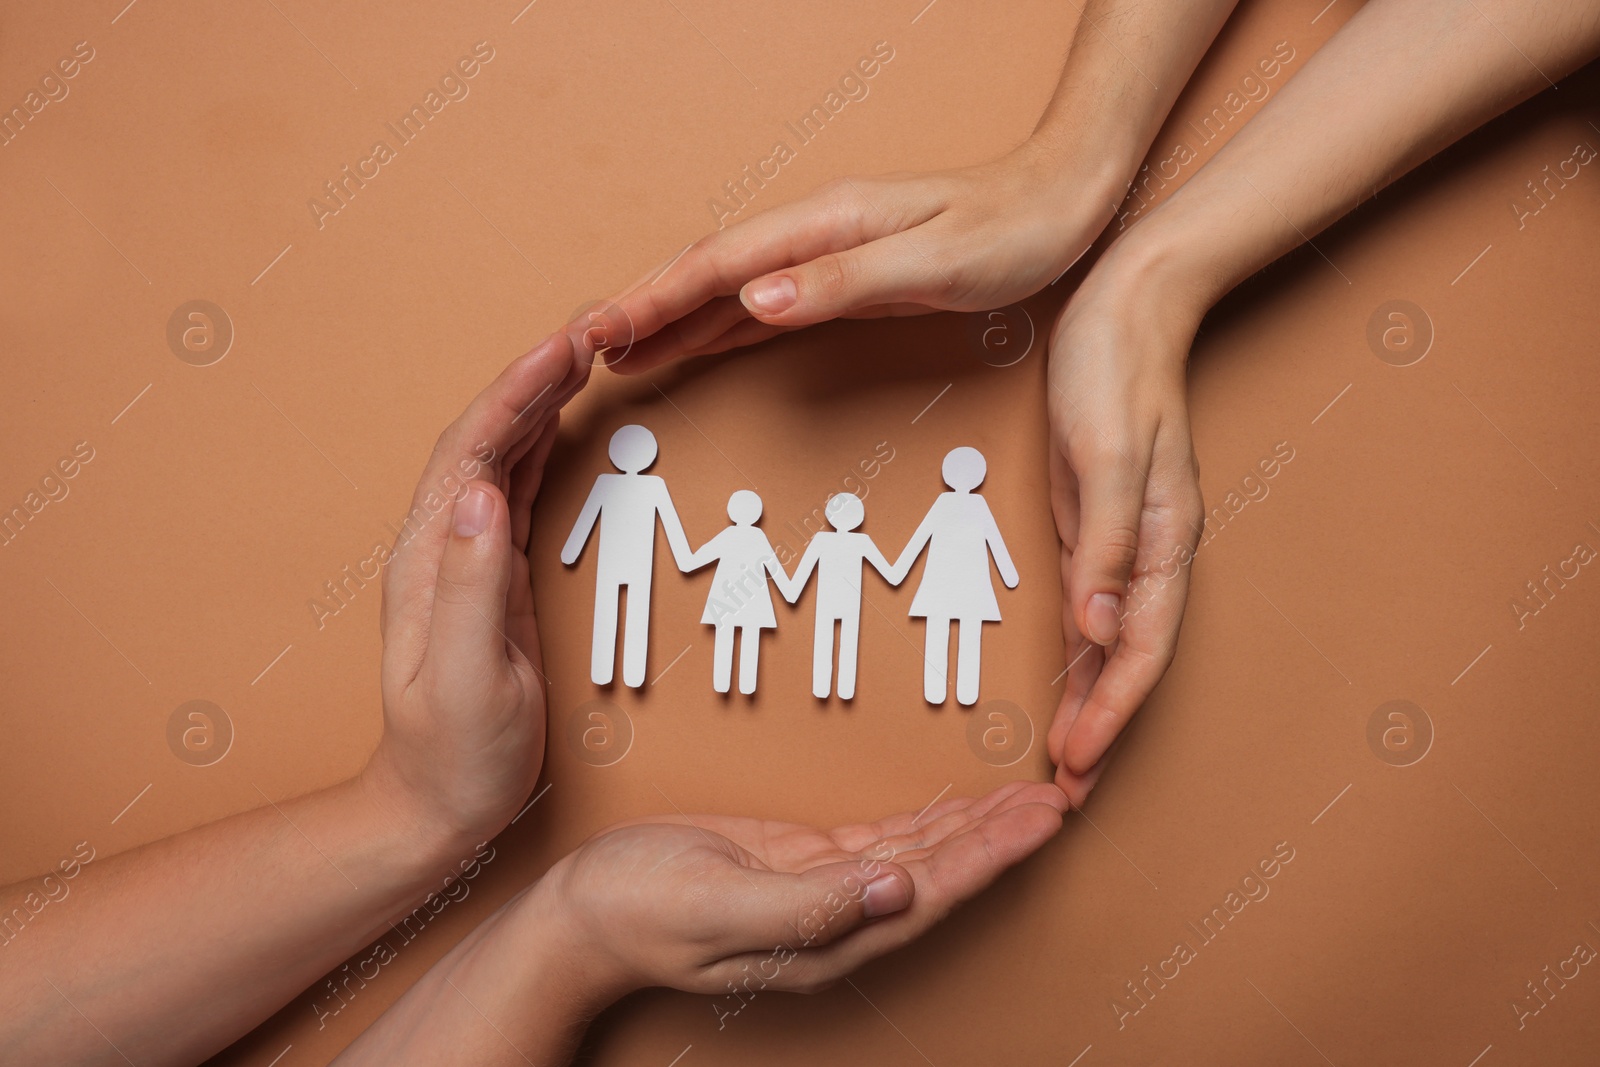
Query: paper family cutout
x: 959, y: 536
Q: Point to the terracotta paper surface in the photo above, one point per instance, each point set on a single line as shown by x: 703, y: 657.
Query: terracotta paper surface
x: 1356, y: 822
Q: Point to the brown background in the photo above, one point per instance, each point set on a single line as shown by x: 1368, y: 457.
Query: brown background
x: 1381, y: 566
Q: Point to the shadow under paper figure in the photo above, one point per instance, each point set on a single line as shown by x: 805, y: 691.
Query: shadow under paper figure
x: 960, y: 534
x: 626, y: 507
x: 740, y: 605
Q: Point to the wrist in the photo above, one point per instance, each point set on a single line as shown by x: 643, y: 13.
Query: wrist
x: 1080, y: 176
x: 1167, y: 263
x: 573, y: 962
x: 429, y: 835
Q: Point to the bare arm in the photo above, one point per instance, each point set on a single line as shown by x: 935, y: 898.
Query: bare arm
x: 1393, y: 86
x: 968, y: 239
x: 1399, y: 82
x: 241, y: 914
x: 730, y: 907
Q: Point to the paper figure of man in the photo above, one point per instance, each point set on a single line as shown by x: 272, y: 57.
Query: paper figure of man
x: 837, y: 556
x: 960, y: 536
x: 626, y: 507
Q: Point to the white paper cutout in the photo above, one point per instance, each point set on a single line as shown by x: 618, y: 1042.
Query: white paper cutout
x: 740, y: 603
x: 837, y: 556
x: 626, y: 507
x: 959, y: 533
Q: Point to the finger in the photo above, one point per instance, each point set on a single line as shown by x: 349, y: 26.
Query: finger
x: 694, y: 331
x: 1081, y: 675
x: 931, y: 831
x: 812, y: 908
x: 475, y: 445
x: 1077, y: 787
x: 527, y: 475
x: 719, y: 264
x: 953, y: 873
x: 1111, y: 472
x: 521, y: 625
x: 467, y: 631
x: 858, y: 836
x: 914, y: 846
x: 893, y: 270
x: 1153, y: 615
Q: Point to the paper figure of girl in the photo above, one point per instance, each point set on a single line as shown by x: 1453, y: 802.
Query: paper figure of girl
x: 960, y: 534
x: 740, y: 603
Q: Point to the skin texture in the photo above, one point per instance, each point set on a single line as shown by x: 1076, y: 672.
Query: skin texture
x: 973, y: 239
x: 274, y: 898
x: 1399, y: 82
x: 1396, y: 84
x: 732, y: 907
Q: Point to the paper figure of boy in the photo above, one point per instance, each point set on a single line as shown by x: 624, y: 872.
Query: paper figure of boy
x: 626, y: 506
x: 959, y: 533
x: 740, y: 604
x: 837, y: 556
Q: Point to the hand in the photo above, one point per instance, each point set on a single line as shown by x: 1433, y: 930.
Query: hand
x: 1125, y: 492
x: 699, y: 903
x: 463, y: 693
x: 959, y: 240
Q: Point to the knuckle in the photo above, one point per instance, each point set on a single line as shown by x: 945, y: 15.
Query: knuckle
x: 832, y: 275
x: 1115, y: 549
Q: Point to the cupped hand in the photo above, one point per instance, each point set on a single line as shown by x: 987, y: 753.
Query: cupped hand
x: 969, y: 239
x: 463, y: 692
x: 1125, y: 492
x: 705, y: 903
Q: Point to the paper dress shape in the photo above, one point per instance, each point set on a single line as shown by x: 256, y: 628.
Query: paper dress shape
x: 740, y: 603
x: 838, y: 557
x: 959, y: 535
x: 626, y: 507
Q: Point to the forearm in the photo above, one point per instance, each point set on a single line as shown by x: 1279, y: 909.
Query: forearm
x: 1129, y: 61
x: 237, y: 916
x: 510, y: 993
x: 1396, y: 84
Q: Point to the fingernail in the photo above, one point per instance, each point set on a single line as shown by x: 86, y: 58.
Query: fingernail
x: 768, y: 296
x: 884, y: 896
x: 473, y: 513
x: 1103, y: 612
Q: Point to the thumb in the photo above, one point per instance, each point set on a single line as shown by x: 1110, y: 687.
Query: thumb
x: 1111, y: 503
x: 888, y: 271
x: 467, y: 633
x: 815, y: 907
